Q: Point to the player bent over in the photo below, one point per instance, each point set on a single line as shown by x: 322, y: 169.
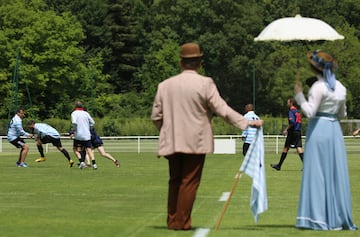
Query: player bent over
x: 47, y: 134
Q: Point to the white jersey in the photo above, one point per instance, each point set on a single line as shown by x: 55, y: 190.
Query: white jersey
x: 82, y: 121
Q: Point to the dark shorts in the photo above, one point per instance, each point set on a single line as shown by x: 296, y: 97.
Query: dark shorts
x: 18, y: 142
x: 245, y: 148
x: 293, y: 140
x: 82, y: 144
x: 49, y: 139
x: 96, y: 142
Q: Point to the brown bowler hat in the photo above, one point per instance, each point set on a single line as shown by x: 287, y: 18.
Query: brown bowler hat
x: 320, y: 60
x: 190, y: 50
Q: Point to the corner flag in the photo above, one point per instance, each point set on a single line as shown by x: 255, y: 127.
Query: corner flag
x: 254, y: 166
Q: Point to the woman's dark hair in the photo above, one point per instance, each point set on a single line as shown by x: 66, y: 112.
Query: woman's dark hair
x: 316, y: 70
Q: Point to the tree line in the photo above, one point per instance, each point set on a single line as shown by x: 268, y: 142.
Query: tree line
x: 111, y: 54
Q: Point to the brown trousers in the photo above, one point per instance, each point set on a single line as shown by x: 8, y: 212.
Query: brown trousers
x: 185, y: 173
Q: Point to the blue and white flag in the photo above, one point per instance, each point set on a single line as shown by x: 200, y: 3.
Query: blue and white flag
x: 254, y: 166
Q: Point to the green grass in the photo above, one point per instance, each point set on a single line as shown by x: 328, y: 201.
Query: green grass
x: 51, y: 199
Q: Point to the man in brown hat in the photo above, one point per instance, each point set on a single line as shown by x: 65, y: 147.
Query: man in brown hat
x: 182, y: 111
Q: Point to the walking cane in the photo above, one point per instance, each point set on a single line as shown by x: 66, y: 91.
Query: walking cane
x: 237, y: 178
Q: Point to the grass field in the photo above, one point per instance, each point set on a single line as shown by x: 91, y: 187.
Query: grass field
x: 51, y: 199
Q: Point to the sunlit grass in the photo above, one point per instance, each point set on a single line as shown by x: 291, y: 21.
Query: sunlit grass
x: 51, y: 199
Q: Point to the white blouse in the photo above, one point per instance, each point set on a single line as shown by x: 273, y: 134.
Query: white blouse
x: 321, y: 99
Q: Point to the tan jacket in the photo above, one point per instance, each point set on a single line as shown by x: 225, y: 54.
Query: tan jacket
x: 182, y: 111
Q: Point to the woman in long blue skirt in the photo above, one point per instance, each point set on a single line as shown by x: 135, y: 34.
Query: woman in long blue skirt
x: 325, y: 196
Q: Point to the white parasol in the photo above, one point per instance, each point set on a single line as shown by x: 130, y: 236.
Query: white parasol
x: 298, y: 28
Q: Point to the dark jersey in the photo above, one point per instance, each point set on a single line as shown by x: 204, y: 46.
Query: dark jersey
x: 294, y: 119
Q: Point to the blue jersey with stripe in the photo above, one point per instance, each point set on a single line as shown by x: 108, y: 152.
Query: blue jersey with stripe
x: 250, y: 132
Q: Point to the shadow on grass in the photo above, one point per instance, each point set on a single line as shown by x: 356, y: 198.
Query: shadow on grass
x: 194, y: 228
x: 159, y: 227
x: 259, y: 227
x: 250, y: 227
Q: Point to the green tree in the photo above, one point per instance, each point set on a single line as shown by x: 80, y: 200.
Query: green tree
x: 157, y: 67
x: 123, y: 59
x: 110, y: 28
x: 51, y: 67
x: 112, y: 54
x: 219, y: 27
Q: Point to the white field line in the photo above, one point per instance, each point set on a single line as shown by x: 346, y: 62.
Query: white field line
x: 203, y: 232
x: 224, y: 197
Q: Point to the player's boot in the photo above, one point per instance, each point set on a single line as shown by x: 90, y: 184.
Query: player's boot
x: 117, y: 163
x: 71, y: 163
x: 23, y: 165
x: 275, y: 166
x: 82, y: 165
x: 41, y: 159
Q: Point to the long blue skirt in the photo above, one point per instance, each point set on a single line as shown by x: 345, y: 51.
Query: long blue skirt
x: 325, y: 197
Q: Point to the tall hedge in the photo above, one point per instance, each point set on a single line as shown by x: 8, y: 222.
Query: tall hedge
x: 143, y: 126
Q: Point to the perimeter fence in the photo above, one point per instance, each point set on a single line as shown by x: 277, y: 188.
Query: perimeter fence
x: 142, y: 144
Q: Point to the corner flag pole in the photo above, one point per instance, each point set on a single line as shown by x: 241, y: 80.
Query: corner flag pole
x: 237, y: 178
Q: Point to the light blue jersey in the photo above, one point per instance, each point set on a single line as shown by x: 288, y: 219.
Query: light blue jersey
x: 45, y: 130
x: 250, y: 132
x: 15, y: 129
